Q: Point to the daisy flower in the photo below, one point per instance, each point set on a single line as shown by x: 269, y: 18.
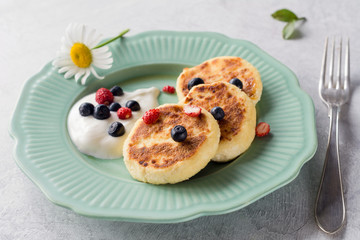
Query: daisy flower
x: 80, y: 53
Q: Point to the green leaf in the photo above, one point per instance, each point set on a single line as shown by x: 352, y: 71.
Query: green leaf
x: 289, y: 29
x: 284, y: 15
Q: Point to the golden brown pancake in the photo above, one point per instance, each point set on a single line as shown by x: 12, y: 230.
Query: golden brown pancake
x: 223, y: 69
x: 151, y: 155
x: 238, y: 126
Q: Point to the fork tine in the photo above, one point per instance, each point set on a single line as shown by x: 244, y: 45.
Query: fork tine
x: 331, y: 67
x: 323, y: 66
x: 338, y: 77
x: 347, y: 65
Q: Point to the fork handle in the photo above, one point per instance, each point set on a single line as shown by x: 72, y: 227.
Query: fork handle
x: 330, y: 206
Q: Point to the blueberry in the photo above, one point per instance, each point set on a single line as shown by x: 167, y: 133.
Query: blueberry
x: 101, y: 112
x: 117, y: 91
x: 116, y: 129
x: 218, y: 113
x: 237, y: 82
x: 86, y: 109
x: 114, y: 106
x: 195, y: 81
x: 178, y: 133
x: 133, y: 105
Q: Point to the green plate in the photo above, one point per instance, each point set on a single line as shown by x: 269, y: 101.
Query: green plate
x: 104, y: 188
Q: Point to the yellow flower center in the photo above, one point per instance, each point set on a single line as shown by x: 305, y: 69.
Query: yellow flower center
x: 81, y: 55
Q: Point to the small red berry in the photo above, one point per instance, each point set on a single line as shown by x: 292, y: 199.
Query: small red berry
x: 104, y: 96
x: 124, y: 113
x: 262, y: 129
x: 168, y: 89
x: 151, y: 116
x: 192, y: 111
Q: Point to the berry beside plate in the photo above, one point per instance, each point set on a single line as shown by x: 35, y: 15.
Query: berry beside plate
x: 262, y: 129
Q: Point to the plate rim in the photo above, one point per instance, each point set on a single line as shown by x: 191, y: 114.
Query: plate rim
x: 305, y: 101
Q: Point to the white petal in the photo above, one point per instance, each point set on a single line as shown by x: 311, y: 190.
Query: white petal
x: 75, y: 31
x: 69, y: 27
x: 94, y: 40
x: 64, y: 69
x: 62, y: 54
x: 102, y: 66
x: 87, y: 74
x: 77, y: 34
x: 95, y: 74
x: 103, y: 49
x: 82, y: 34
x: 62, y: 62
x: 69, y: 34
x: 101, y: 55
x: 87, y: 36
x: 56, y: 60
x: 70, y: 73
x: 65, y: 50
x: 79, y: 74
x: 65, y: 43
x: 103, y: 61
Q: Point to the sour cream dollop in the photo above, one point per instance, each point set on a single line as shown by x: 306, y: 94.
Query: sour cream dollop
x: 90, y: 135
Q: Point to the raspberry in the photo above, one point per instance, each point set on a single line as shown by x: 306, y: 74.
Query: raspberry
x: 262, y: 129
x: 151, y: 116
x: 168, y: 89
x: 192, y: 111
x: 124, y: 113
x: 104, y: 96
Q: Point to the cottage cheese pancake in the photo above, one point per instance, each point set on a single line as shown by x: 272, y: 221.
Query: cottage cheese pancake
x: 238, y: 125
x: 223, y: 69
x: 151, y: 154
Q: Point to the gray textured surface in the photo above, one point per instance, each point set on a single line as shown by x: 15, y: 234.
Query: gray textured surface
x: 30, y: 35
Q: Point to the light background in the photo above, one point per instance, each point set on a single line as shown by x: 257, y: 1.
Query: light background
x: 30, y: 33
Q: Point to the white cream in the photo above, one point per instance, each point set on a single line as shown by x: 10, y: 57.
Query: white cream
x: 90, y: 135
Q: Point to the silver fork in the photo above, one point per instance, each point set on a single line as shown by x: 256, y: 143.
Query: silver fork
x: 334, y: 92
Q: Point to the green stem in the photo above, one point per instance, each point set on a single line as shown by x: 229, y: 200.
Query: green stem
x: 113, y: 39
x: 302, y: 18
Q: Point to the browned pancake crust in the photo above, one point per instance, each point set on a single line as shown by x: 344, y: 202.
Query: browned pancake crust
x: 167, y: 153
x: 217, y: 95
x: 230, y: 68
